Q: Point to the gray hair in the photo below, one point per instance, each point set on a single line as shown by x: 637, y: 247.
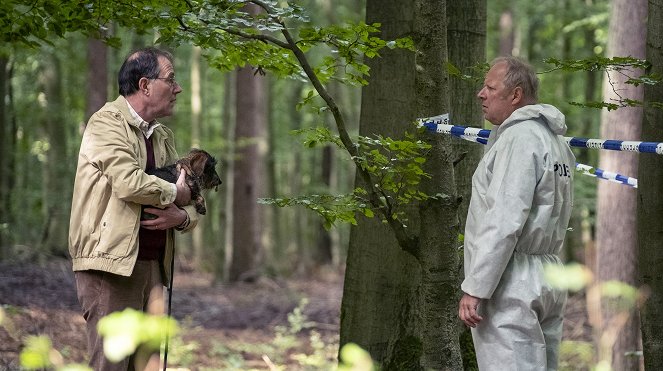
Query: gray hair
x: 140, y: 63
x: 520, y: 74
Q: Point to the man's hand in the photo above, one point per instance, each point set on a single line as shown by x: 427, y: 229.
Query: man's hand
x: 168, y: 217
x: 467, y: 310
x: 183, y: 191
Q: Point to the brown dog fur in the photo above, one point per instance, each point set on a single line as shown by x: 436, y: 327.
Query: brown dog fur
x: 200, y: 174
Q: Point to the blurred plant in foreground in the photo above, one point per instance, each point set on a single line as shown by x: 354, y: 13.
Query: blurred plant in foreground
x: 620, y: 297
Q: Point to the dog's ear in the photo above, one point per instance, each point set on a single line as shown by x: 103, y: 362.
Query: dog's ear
x: 198, y: 161
x: 185, y: 164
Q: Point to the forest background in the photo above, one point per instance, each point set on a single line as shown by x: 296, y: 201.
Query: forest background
x: 246, y: 118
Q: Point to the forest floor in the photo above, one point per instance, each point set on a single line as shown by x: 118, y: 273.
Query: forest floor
x: 266, y: 325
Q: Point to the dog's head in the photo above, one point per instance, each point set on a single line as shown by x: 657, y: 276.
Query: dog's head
x: 203, y: 166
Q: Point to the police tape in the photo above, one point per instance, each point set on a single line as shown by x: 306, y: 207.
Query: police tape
x: 615, y: 145
x: 481, y: 135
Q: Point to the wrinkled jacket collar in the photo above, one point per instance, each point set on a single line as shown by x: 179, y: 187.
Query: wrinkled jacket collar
x: 543, y: 113
x: 134, y: 118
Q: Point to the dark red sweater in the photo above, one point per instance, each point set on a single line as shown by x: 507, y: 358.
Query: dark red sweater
x: 151, y: 243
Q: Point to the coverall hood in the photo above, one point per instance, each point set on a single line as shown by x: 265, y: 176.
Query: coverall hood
x: 544, y: 113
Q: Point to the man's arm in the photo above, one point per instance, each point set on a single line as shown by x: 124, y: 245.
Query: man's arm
x: 173, y: 215
x: 508, y: 200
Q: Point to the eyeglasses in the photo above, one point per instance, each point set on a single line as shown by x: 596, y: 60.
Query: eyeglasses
x: 170, y: 80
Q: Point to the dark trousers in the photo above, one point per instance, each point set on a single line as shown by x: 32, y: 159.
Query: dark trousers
x: 102, y: 293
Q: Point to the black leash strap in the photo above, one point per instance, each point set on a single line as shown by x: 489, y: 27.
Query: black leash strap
x: 170, y: 299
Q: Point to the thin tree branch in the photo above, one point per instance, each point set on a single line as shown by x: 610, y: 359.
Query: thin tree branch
x: 406, y: 241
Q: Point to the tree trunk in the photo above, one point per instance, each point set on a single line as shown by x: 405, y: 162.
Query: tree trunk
x: 507, y: 33
x: 55, y: 208
x: 616, y: 210
x: 97, y: 76
x: 197, y: 234
x: 323, y: 247
x: 440, y: 225
x: 323, y: 254
x: 249, y: 174
x: 467, y: 48
x: 380, y: 278
x: 402, y: 307
x: 224, y: 248
x: 5, y: 156
x: 650, y: 202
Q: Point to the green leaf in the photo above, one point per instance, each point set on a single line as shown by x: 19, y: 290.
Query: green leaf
x: 124, y: 331
x: 571, y: 277
x: 35, y: 354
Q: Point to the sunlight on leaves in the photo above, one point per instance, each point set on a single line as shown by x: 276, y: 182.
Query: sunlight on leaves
x: 575, y: 355
x: 124, y: 331
x: 621, y: 291
x: 38, y: 353
x: 354, y: 358
x: 573, y: 277
x: 35, y: 355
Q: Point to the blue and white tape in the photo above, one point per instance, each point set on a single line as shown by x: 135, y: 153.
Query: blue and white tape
x: 614, y: 145
x: 481, y: 136
x: 602, y: 174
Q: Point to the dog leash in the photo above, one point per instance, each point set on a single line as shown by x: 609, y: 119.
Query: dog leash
x: 170, y: 299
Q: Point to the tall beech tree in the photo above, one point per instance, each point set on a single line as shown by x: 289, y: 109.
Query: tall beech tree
x: 616, y: 247
x: 649, y: 200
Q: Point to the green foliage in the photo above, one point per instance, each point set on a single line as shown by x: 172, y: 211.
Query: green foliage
x: 625, y: 66
x: 576, y: 355
x: 125, y: 331
x: 286, y: 338
x: 475, y: 74
x: 332, y: 208
x: 180, y: 352
x: 277, y: 39
x: 38, y: 354
x: 355, y: 358
x: 316, y: 136
x: 598, y: 63
x: 394, y: 165
x: 619, y: 295
x: 236, y: 37
x: 351, y: 43
x: 573, y: 277
x: 31, y: 23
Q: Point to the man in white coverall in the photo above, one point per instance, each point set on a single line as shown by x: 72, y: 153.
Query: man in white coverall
x: 522, y: 194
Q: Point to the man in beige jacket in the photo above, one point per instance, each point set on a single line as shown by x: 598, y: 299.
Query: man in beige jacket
x: 121, y: 261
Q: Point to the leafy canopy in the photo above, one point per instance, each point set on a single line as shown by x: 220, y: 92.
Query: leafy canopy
x: 627, y: 67
x: 272, y: 36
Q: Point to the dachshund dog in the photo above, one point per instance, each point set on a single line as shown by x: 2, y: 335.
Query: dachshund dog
x: 200, y: 174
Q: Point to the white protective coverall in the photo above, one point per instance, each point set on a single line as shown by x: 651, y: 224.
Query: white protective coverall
x: 522, y: 194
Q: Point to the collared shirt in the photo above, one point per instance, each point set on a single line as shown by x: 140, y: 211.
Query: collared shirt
x: 144, y: 126
x: 147, y: 129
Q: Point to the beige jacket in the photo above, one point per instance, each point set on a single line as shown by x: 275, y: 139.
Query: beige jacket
x: 110, y: 188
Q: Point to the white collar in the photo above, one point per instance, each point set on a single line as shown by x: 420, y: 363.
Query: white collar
x: 144, y: 126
